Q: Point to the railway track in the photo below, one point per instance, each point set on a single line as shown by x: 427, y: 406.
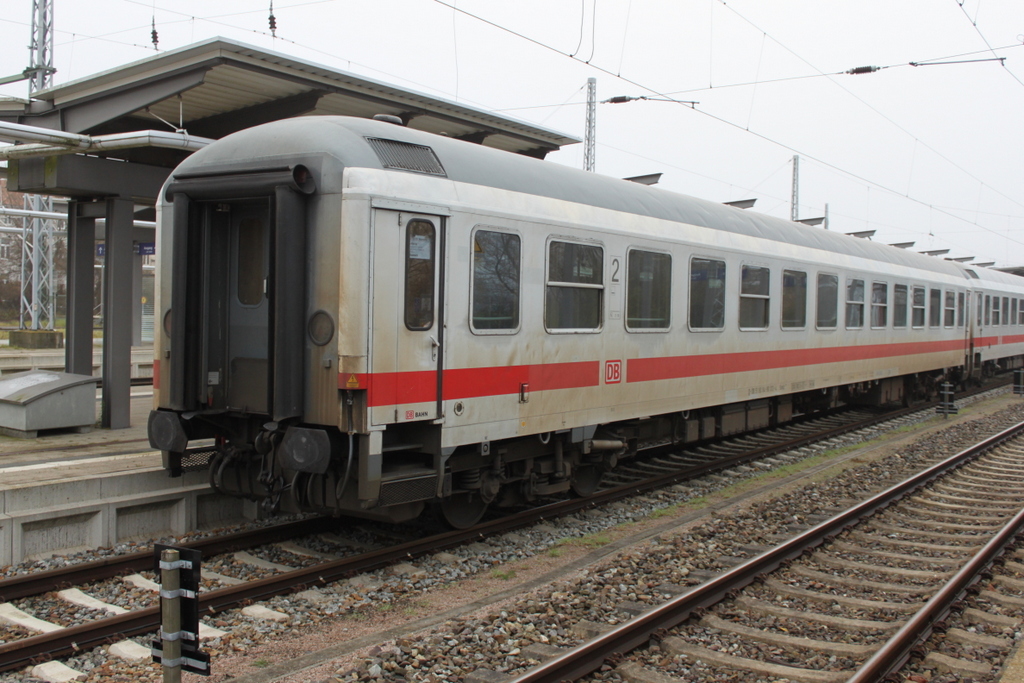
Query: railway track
x: 888, y: 572
x: 19, y: 651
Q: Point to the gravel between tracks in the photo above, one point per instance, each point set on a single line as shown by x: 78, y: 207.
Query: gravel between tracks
x: 495, y: 635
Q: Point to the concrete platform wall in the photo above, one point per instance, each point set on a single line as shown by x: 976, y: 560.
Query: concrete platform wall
x: 72, y: 516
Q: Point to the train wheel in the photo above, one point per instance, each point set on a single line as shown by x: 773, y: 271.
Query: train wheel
x: 462, y: 510
x: 586, y: 480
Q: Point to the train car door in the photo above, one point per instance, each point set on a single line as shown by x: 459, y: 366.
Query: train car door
x: 249, y: 309
x: 236, y: 347
x: 407, y: 327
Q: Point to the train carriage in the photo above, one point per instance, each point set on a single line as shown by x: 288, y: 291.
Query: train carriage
x: 367, y: 319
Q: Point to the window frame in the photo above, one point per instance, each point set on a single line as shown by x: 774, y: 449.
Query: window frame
x: 782, y: 313
x: 853, y: 304
x: 487, y: 331
x: 668, y: 292
x: 407, y: 263
x: 690, y: 291
x: 914, y: 308
x: 949, y: 308
x: 766, y: 298
x: 884, y: 305
x: 934, y: 307
x: 246, y: 280
x: 896, y: 306
x: 549, y: 283
x: 817, y: 301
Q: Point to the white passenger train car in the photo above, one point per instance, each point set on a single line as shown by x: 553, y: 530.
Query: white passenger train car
x: 368, y: 318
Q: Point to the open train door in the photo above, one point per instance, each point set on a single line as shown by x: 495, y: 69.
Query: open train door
x: 407, y: 321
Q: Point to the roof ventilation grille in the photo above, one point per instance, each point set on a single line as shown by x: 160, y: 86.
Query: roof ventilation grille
x: 406, y: 156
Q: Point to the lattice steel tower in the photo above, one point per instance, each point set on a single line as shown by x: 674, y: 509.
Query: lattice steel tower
x: 589, y: 140
x: 38, y: 295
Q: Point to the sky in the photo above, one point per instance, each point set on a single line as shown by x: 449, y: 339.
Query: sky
x: 929, y: 153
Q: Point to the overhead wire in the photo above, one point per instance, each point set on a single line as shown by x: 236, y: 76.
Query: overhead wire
x: 869, y: 106
x: 583, y: 14
x: 213, y: 19
x: 593, y: 31
x: 974, y: 23
x: 825, y: 74
x: 625, y: 35
x: 455, y: 51
x: 762, y: 136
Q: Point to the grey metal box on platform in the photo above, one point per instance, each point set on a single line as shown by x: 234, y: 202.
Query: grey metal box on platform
x: 40, y: 400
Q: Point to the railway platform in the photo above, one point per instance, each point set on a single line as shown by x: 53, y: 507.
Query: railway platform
x: 66, y: 491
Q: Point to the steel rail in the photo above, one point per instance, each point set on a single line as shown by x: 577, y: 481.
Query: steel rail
x: 73, y: 639
x: 898, y: 649
x: 591, y: 655
x: 25, y: 585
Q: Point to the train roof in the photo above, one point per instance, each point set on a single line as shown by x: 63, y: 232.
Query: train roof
x: 994, y: 278
x: 354, y: 142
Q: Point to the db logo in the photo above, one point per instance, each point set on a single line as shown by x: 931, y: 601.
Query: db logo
x: 410, y: 415
x: 612, y: 371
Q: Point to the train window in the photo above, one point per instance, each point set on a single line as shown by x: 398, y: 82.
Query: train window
x: 574, y: 286
x: 854, y: 303
x: 949, y: 313
x: 995, y: 311
x: 794, y: 300
x: 419, y: 275
x: 961, y: 306
x: 754, y: 300
x: 648, y: 290
x: 934, y: 307
x: 827, y: 313
x: 988, y: 310
x: 1020, y: 313
x: 707, y: 294
x: 496, y: 270
x: 252, y: 270
x: 1013, y: 312
x: 1006, y: 310
x: 918, y: 307
x: 899, y: 306
x: 879, y: 304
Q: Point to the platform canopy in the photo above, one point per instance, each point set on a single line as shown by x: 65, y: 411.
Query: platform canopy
x: 151, y: 113
x: 218, y: 86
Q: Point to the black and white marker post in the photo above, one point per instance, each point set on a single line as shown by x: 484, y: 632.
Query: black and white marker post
x: 178, y: 646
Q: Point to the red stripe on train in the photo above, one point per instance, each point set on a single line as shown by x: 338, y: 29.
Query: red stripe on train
x: 1000, y: 339
x: 650, y: 369
x: 397, y: 388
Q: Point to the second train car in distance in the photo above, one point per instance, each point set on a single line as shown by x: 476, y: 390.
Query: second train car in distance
x: 367, y: 319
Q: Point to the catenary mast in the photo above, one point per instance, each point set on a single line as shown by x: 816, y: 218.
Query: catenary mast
x: 38, y: 295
